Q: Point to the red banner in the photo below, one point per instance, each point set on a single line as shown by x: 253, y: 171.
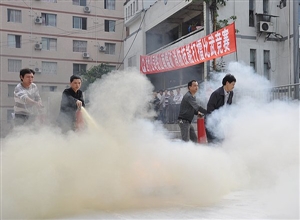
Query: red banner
x: 217, y: 44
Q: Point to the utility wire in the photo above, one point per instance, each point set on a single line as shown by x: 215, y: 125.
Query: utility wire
x: 138, y: 30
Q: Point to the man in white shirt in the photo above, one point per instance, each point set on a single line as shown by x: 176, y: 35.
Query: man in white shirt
x: 27, y: 98
x: 220, y: 97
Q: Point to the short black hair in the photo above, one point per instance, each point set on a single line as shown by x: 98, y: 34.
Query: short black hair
x: 228, y: 78
x: 190, y: 83
x: 74, y: 77
x: 25, y: 71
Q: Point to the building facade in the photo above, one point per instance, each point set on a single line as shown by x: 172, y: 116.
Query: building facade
x: 56, y: 39
x: 264, y: 37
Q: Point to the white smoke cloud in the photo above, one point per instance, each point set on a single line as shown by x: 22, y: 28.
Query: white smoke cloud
x: 127, y: 161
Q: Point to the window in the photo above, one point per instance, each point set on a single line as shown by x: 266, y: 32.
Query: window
x: 251, y: 13
x: 14, y: 15
x: 14, y: 66
x: 49, y: 43
x: 299, y: 13
x: 110, y: 48
x: 49, y: 19
x: 14, y: 41
x: 137, y: 5
x: 79, y: 2
x: 49, y: 88
x: 132, y: 61
x: 79, y: 46
x: 267, y: 64
x: 266, y: 6
x: 79, y: 23
x: 126, y: 14
x: 49, y: 67
x: 133, y: 7
x: 110, y: 4
x: 130, y: 10
x: 11, y: 89
x: 78, y: 68
x: 10, y: 113
x: 109, y: 25
x: 253, y: 58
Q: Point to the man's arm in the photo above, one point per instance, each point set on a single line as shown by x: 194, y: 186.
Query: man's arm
x: 23, y: 96
x: 81, y: 98
x: 211, y: 105
x: 196, y: 107
x: 68, y: 101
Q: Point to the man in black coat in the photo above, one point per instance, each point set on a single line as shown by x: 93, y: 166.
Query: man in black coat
x: 220, y: 97
x: 72, y: 100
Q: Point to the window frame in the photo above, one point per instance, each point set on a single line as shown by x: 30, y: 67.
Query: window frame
x: 110, y: 4
x: 44, y: 71
x: 253, y: 62
x: 46, y: 19
x: 110, y: 48
x: 9, y: 15
x: 47, y: 45
x: 80, y: 68
x: 109, y: 25
x: 10, y: 90
x: 17, y: 41
x: 51, y: 88
x: 16, y: 67
x: 82, y: 23
x: 80, y: 2
x: 80, y: 47
x: 267, y: 67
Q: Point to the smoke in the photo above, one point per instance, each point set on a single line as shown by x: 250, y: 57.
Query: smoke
x: 128, y: 161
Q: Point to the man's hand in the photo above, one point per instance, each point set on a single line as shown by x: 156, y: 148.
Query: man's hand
x: 39, y: 104
x: 200, y: 114
x: 79, y: 104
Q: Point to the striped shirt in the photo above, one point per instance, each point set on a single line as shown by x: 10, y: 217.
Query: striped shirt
x: 21, y: 95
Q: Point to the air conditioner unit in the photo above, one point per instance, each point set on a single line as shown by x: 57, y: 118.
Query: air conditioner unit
x: 87, y: 9
x: 85, y: 55
x: 38, y: 46
x: 267, y: 27
x: 38, y: 20
x: 102, y: 49
x: 37, y: 70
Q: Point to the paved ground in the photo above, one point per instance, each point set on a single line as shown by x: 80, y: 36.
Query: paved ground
x: 237, y: 205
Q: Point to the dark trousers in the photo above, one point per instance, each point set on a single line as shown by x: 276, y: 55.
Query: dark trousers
x: 172, y: 117
x: 187, y: 131
x: 211, y: 138
x: 20, y: 119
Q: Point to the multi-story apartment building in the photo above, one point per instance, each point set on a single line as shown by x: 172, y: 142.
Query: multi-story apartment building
x: 56, y: 39
x: 264, y: 39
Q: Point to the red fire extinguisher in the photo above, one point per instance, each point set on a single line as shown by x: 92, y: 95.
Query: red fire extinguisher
x: 79, y: 124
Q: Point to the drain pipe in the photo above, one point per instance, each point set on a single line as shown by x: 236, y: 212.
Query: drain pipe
x: 207, y: 32
x: 296, y: 47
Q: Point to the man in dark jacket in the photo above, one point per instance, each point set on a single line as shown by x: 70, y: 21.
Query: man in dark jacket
x: 72, y: 100
x: 220, y: 97
x: 189, y: 108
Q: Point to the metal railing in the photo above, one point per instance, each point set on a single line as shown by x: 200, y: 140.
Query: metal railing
x: 286, y: 92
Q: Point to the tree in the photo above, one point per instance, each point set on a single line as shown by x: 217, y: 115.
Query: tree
x: 217, y: 24
x: 95, y: 72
